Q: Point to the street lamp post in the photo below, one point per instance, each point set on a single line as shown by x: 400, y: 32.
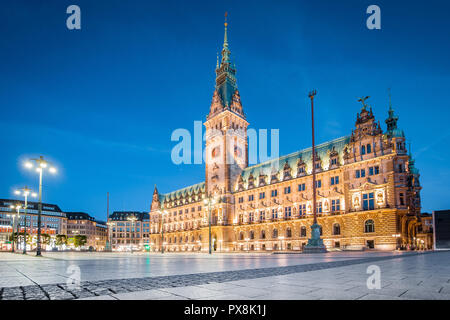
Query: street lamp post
x: 41, y: 164
x: 25, y: 191
x: 13, y: 216
x: 315, y: 243
x: 110, y: 225
x: 209, y: 201
x: 162, y: 213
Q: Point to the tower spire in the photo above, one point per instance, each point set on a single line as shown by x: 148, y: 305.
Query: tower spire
x: 390, y: 101
x: 225, y: 50
x: 391, y: 121
x: 226, y: 87
x: 225, y: 38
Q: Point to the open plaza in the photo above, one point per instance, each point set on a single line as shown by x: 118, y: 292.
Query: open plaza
x: 237, y: 276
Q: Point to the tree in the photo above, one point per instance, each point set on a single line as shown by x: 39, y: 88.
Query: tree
x: 60, y: 239
x: 13, y: 237
x: 30, y: 239
x: 45, y: 238
x: 79, y: 240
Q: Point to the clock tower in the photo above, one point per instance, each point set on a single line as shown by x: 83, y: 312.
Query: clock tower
x: 226, y: 138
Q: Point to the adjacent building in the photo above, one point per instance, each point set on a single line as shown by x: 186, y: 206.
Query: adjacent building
x: 81, y: 223
x: 129, y: 230
x: 441, y: 226
x: 53, y: 221
x: 368, y: 188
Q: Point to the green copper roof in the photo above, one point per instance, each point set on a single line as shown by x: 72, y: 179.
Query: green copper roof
x: 323, y: 152
x: 397, y: 133
x: 226, y: 91
x: 226, y: 74
x: 187, y: 191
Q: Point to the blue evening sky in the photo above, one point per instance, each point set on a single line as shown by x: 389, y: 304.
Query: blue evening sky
x: 102, y: 102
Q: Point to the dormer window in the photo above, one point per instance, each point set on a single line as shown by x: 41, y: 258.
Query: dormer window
x: 274, y: 178
x: 334, y: 156
x: 262, y: 180
x: 251, y: 181
x: 287, y: 171
x: 240, y: 184
x: 301, y: 167
x: 318, y: 163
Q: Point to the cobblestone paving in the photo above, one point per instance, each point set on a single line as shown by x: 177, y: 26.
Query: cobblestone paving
x: 107, y: 287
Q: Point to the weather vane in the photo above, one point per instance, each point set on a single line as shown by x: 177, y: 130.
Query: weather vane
x: 363, y: 101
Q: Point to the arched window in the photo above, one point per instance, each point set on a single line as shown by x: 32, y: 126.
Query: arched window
x: 336, y: 229
x: 241, y: 235
x: 369, y: 148
x: 275, y: 233
x: 252, y: 234
x: 263, y: 234
x: 303, y: 231
x: 369, y: 226
x: 288, y: 233
x: 363, y: 150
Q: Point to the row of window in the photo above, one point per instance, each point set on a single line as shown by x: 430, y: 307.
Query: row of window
x: 361, y: 173
x: 180, y: 212
x: 180, y: 239
x: 366, y: 149
x: 369, y: 227
x: 127, y: 229
x: 335, y: 206
x: 287, y: 190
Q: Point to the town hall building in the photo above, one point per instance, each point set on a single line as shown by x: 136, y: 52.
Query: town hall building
x: 367, y: 188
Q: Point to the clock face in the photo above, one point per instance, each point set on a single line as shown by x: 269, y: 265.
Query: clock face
x: 215, y: 152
